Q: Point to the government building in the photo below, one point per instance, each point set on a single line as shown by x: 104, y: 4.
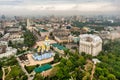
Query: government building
x: 90, y: 44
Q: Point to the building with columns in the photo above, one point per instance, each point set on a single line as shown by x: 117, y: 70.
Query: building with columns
x: 90, y: 44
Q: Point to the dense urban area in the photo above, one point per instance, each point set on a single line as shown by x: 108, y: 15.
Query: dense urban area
x: 60, y: 48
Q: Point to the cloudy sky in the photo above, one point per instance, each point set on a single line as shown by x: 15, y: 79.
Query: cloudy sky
x: 60, y: 7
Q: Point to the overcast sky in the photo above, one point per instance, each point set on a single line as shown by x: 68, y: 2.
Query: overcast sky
x: 65, y: 7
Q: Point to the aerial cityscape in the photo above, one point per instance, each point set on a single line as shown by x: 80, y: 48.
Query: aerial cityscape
x: 59, y: 40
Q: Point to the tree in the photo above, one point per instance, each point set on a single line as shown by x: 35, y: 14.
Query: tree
x: 1, y: 35
x: 25, y: 77
x: 57, y: 58
x: 78, y: 74
x: 86, y: 76
x: 29, y: 38
x: 102, y: 78
x: 111, y: 77
x: 10, y: 43
x: 69, y: 64
x: 66, y: 51
x: 63, y: 73
x: 99, y: 72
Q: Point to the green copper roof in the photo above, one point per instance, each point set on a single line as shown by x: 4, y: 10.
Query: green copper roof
x: 42, y: 68
x: 43, y: 30
x: 59, y: 46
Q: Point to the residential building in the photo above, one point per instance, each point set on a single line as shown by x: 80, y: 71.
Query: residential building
x: 59, y: 48
x: 112, y: 35
x: 44, y: 32
x: 15, y: 32
x: 61, y: 35
x: 6, y: 51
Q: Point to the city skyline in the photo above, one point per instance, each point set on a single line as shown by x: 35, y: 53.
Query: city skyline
x: 59, y: 7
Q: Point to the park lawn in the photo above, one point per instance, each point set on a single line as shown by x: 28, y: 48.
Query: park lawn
x: 9, y: 61
x: 6, y: 71
x: 16, y: 73
x: 1, y: 73
x: 30, y: 68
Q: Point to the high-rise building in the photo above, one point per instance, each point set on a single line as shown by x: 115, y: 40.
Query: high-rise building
x: 29, y: 27
x: 3, y: 17
x: 28, y: 23
x: 90, y: 44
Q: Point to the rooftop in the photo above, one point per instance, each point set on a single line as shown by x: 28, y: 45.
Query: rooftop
x: 43, y: 30
x: 23, y: 57
x: 60, y: 47
x: 42, y: 68
x: 90, y: 38
x: 43, y: 56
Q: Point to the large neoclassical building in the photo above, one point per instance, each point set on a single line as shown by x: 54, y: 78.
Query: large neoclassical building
x: 90, y: 44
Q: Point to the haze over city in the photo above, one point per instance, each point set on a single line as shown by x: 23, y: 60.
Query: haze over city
x: 59, y: 7
x: 59, y: 39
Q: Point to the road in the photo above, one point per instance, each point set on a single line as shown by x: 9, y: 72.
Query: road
x: 24, y: 70
x: 93, y: 71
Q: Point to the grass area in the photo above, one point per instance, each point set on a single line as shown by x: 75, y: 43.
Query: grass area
x: 16, y: 73
x: 30, y: 68
x: 6, y: 71
x: 1, y: 73
x: 8, y: 61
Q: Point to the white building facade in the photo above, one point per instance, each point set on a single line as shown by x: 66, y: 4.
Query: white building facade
x: 90, y: 44
x: 6, y: 51
x: 9, y: 52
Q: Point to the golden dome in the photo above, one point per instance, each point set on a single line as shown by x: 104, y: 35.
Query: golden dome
x: 46, y: 38
x: 39, y: 48
x: 85, y: 28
